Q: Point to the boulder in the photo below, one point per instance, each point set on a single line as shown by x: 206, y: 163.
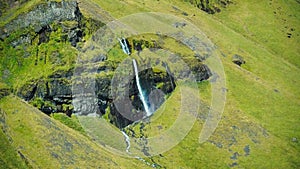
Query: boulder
x: 238, y: 60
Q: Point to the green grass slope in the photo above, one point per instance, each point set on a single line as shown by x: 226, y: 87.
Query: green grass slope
x: 263, y: 95
x: 260, y: 124
x: 9, y: 157
x: 42, y: 142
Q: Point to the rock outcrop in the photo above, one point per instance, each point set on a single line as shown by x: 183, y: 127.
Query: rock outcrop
x: 156, y: 85
x: 52, y: 94
x: 43, y: 19
x: 46, y: 24
x: 238, y: 60
x: 211, y: 6
x: 45, y: 14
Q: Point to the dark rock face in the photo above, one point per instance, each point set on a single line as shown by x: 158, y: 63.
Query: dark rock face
x: 102, y: 88
x: 201, y: 72
x: 45, y: 14
x: 155, y: 85
x: 65, y: 14
x: 53, y: 94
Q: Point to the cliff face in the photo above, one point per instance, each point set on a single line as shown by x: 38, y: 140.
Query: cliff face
x: 39, y: 54
x: 41, y: 48
x: 41, y: 18
x: 45, y: 14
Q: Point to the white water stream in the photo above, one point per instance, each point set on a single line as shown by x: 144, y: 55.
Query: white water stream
x: 142, y: 97
x: 148, y: 113
x: 127, y: 139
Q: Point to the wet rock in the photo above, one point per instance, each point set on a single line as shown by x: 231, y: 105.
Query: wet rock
x: 137, y: 46
x: 119, y: 119
x: 59, y: 88
x: 238, y: 60
x: 103, y: 88
x: 155, y: 84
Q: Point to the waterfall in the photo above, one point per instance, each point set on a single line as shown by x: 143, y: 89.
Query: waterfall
x: 127, y: 139
x: 124, y: 46
x: 142, y: 97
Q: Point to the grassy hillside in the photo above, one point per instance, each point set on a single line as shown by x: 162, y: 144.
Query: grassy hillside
x: 44, y: 142
x: 259, y: 127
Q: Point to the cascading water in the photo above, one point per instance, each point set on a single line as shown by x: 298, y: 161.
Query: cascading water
x: 124, y: 46
x: 148, y: 113
x: 142, y: 97
x: 127, y: 139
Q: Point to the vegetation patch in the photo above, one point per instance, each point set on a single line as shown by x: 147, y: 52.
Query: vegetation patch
x: 71, y: 122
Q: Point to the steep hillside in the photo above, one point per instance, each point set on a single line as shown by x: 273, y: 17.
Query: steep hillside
x: 40, y: 141
x: 54, y: 53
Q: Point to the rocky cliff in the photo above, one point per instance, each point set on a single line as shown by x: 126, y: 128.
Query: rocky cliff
x: 42, y: 42
x: 45, y: 41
